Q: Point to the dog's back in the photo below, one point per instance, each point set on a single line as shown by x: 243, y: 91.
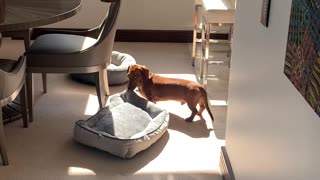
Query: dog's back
x: 164, y: 88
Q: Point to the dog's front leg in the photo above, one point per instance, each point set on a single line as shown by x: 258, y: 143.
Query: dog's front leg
x: 131, y: 85
x: 150, y: 98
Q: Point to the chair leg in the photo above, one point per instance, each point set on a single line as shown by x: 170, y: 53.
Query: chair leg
x: 105, y: 82
x: 23, y: 99
x: 100, y: 89
x: 230, y: 43
x: 206, y: 57
x: 30, y: 98
x: 207, y: 44
x: 44, y: 82
x: 203, y: 51
x: 195, y: 29
x: 205, y: 73
x: 3, y: 149
x: 27, y: 37
x: 0, y: 39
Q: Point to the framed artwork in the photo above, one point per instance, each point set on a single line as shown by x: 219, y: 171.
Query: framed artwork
x: 265, y: 12
x: 302, y: 60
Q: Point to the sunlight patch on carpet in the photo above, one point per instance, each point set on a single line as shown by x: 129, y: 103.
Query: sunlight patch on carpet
x: 92, y: 106
x: 78, y: 171
x: 185, y: 158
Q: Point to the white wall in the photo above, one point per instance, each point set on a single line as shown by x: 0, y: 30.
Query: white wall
x: 137, y: 14
x: 272, y: 133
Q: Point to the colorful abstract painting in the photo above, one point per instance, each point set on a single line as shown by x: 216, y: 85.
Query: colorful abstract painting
x: 302, y: 63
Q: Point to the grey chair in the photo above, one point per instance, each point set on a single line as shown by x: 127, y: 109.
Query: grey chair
x: 12, y: 83
x: 74, y: 52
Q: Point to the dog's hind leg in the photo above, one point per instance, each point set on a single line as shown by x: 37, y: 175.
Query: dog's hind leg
x: 193, y: 107
x: 202, y: 108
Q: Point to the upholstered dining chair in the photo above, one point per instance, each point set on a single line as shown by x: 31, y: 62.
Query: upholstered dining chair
x: 74, y: 52
x: 12, y: 83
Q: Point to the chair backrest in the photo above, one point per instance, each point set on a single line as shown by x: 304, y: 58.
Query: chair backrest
x: 103, y: 47
x: 12, y: 75
x: 110, y: 21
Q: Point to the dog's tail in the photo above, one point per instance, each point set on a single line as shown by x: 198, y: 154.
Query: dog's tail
x: 205, y: 101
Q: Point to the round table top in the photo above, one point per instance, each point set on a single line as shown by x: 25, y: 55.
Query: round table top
x: 24, y: 14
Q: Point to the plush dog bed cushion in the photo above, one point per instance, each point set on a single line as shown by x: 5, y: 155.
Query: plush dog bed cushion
x: 127, y: 126
x: 117, y: 70
x: 122, y: 122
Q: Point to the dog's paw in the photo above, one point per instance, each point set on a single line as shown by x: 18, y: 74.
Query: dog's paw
x: 189, y: 119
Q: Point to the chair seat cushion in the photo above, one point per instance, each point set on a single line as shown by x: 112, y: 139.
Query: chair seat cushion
x: 61, y: 43
x: 128, y: 125
x: 7, y: 64
x: 219, y: 16
x: 218, y: 5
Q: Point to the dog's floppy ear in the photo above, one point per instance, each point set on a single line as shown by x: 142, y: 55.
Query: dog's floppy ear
x: 145, y: 72
x: 131, y: 84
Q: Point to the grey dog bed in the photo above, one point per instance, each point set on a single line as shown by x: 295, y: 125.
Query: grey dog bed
x: 117, y: 70
x: 129, y: 124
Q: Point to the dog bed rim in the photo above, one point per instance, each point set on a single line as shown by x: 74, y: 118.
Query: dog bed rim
x: 122, y: 139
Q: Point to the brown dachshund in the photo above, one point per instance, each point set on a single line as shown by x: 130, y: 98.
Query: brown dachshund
x: 157, y: 88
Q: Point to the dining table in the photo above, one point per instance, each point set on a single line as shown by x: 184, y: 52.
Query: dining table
x: 22, y: 16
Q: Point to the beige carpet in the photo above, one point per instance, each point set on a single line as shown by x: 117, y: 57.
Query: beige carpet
x: 47, y: 151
